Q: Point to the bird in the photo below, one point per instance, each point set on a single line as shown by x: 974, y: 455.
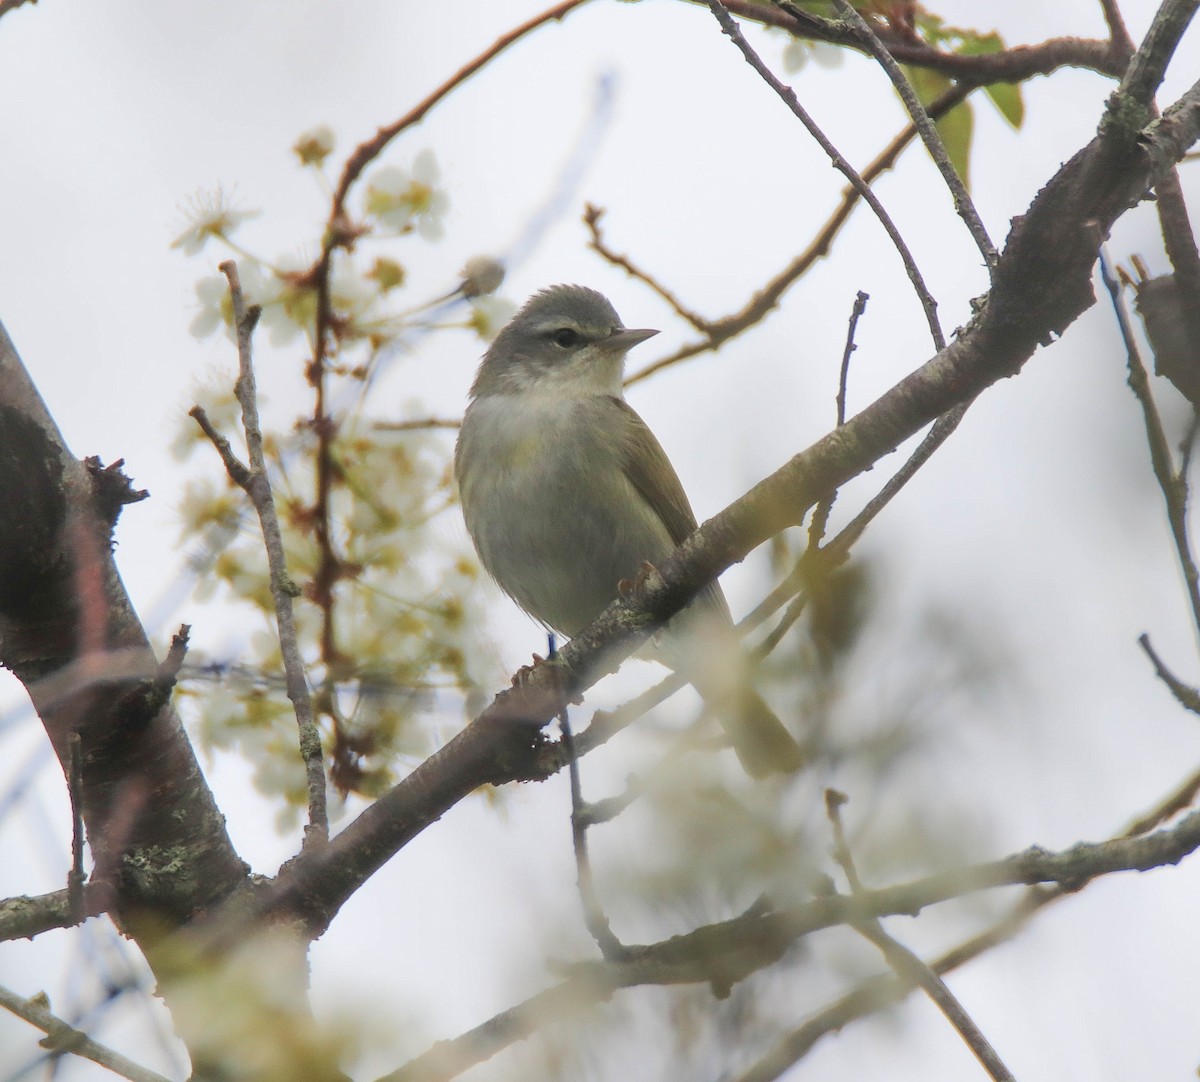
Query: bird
x: 568, y: 496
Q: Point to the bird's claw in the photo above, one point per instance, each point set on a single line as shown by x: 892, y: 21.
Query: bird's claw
x: 626, y: 587
x: 521, y: 677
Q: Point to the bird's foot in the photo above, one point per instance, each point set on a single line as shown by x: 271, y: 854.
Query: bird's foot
x: 635, y: 585
x: 521, y: 677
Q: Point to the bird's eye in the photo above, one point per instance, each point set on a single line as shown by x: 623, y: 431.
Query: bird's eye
x: 566, y: 337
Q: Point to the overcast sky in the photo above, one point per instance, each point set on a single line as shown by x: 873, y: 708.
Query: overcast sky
x: 1039, y: 526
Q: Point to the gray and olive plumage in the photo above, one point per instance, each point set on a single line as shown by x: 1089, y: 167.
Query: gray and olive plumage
x: 566, y: 493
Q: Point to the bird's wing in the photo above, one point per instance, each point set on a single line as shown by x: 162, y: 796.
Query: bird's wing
x: 650, y: 471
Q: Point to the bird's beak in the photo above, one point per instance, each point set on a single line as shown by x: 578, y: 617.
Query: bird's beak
x: 626, y: 338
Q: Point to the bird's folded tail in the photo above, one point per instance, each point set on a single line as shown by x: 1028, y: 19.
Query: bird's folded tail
x: 762, y: 742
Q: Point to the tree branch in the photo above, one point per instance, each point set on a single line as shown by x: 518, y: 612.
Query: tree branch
x: 929, y: 134
x: 283, y: 589
x: 719, y: 331
x: 907, y: 965
x: 724, y: 953
x: 167, y: 860
x: 61, y: 1038
x: 1042, y: 284
x: 1006, y: 66
x: 788, y: 97
x: 24, y: 917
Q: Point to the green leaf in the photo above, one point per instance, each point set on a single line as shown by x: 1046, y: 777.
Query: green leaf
x: 1005, y: 96
x: 956, y: 128
x: 927, y: 83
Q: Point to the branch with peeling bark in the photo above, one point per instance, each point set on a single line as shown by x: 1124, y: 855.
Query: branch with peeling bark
x: 69, y: 633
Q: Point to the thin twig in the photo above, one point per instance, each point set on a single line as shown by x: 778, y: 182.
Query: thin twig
x: 341, y: 232
x: 591, y: 218
x: 815, y: 567
x: 1013, y: 65
x: 254, y: 480
x: 838, y: 550
x: 417, y: 425
x: 61, y: 1038
x: 76, y: 878
x: 860, y: 306
x: 727, y: 951
x: 595, y: 812
x: 906, y: 964
x: 929, y: 134
x: 1174, y: 486
x: 765, y: 299
x: 1187, y: 697
x: 593, y: 913
x: 1118, y: 35
x: 1149, y: 63
x: 877, y: 993
x: 283, y: 589
x: 788, y: 97
x: 1178, y: 799
x: 605, y: 725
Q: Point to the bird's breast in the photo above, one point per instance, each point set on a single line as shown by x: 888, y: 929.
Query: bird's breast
x: 554, y: 518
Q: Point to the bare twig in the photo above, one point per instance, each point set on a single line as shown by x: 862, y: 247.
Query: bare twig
x: 596, y: 812
x: 1174, y: 485
x: 591, y: 218
x: 23, y: 916
x: 341, y: 232
x: 254, y: 480
x: 860, y: 306
x: 1149, y: 63
x: 1006, y: 66
x: 77, y: 877
x: 929, y: 134
x: 726, y: 952
x: 1180, y: 243
x: 907, y: 965
x: 62, y: 1038
x: 1178, y: 799
x: 880, y: 992
x: 593, y: 912
x: 283, y: 589
x: 417, y: 425
x: 1187, y: 697
x: 812, y: 561
x: 719, y: 331
x: 788, y: 97
x: 1118, y: 35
